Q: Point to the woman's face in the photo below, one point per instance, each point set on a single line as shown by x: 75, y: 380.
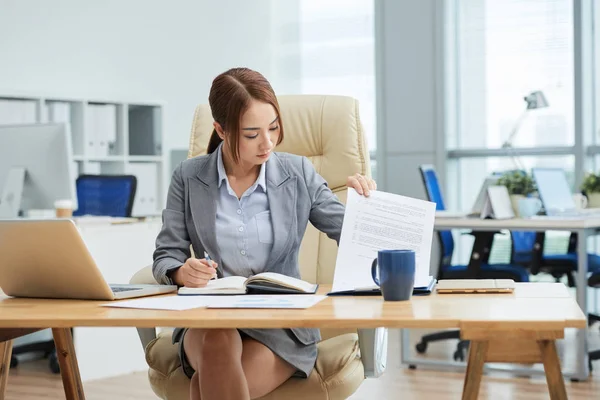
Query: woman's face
x: 259, y: 132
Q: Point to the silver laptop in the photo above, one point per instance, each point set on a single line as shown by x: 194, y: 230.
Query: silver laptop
x: 556, y: 195
x: 49, y: 259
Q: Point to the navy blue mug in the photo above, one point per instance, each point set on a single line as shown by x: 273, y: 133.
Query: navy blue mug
x: 396, y: 273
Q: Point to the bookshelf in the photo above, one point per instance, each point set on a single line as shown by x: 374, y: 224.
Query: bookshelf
x: 108, y: 137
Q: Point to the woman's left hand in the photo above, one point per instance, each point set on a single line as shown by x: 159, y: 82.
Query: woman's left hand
x: 362, y: 184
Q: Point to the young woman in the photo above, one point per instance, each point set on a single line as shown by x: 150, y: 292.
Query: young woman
x: 247, y: 207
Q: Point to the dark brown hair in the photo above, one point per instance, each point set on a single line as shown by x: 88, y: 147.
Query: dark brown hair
x: 230, y: 97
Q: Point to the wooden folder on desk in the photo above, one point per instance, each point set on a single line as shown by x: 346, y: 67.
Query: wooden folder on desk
x: 475, y: 286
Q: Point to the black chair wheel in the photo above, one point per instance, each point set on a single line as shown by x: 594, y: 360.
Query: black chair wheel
x: 421, y: 347
x: 53, y: 363
x: 13, y: 361
x: 459, y: 355
x: 412, y: 366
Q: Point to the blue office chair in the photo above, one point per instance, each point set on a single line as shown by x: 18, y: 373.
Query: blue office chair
x: 105, y: 195
x: 566, y: 264
x: 478, y: 267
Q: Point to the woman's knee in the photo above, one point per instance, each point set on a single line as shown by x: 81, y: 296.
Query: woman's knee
x: 208, y: 344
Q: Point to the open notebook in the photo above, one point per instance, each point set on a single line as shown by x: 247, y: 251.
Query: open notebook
x: 264, y: 283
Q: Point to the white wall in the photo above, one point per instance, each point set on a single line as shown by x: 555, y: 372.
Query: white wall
x: 409, y: 76
x: 132, y: 49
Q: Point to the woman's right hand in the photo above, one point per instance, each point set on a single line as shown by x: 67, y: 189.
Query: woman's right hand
x: 195, y: 272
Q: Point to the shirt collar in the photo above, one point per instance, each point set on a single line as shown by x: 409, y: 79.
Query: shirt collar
x: 260, y: 181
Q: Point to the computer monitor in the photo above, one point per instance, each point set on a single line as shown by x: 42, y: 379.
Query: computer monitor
x: 554, y: 190
x: 44, y: 152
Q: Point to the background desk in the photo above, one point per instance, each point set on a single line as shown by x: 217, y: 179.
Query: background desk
x: 583, y: 227
x: 536, y: 312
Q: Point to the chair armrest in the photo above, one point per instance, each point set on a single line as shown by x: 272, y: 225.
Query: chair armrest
x: 145, y: 277
x: 146, y: 336
x: 373, y: 345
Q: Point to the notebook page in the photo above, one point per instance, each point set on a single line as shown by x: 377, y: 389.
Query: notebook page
x: 217, y: 285
x: 285, y: 280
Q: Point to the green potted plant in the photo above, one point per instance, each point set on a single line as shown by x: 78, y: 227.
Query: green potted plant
x: 519, y: 186
x: 591, y: 188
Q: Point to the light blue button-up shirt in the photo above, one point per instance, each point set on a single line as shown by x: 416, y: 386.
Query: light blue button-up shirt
x: 243, y: 226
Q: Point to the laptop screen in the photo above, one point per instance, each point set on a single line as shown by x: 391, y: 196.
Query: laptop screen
x: 554, y: 189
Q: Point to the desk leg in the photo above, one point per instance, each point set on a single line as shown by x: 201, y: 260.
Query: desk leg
x: 514, y: 346
x: 554, y: 378
x: 69, y: 370
x: 5, y: 353
x: 477, y: 356
x: 582, y: 371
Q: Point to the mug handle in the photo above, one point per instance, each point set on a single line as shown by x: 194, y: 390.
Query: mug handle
x: 374, y: 272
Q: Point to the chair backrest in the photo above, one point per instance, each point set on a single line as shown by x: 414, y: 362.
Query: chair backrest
x: 523, y: 246
x: 105, y: 195
x: 434, y: 194
x: 327, y: 130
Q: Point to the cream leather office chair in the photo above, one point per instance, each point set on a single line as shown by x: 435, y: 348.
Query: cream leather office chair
x: 328, y: 131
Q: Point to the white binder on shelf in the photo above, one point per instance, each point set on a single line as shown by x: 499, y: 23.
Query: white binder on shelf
x: 15, y: 112
x: 106, y: 128
x: 92, y: 168
x: 145, y: 202
x: 90, y: 131
x: 59, y: 112
x: 101, y: 124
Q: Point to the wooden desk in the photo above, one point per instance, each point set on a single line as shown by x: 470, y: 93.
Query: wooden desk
x: 583, y: 226
x: 519, y: 327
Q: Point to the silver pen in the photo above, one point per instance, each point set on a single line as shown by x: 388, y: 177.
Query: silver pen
x: 207, y: 257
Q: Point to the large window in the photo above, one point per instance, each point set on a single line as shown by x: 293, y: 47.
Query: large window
x: 505, y: 50
x: 338, y: 53
x: 508, y: 49
x: 328, y: 47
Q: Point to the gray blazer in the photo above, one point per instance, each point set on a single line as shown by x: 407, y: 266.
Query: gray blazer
x: 296, y: 192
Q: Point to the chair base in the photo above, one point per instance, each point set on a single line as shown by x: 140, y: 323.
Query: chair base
x: 421, y: 347
x: 461, y: 347
x: 593, y: 356
x: 47, y: 347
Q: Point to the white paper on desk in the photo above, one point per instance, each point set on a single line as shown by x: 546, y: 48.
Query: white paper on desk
x: 379, y: 222
x: 265, y: 301
x: 176, y: 303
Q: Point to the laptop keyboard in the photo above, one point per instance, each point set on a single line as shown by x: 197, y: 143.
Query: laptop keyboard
x: 117, y: 289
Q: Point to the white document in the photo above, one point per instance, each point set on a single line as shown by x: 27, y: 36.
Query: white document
x: 382, y: 221
x: 265, y: 301
x: 174, y: 302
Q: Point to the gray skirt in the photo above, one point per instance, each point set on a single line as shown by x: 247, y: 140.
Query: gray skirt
x: 282, y: 342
